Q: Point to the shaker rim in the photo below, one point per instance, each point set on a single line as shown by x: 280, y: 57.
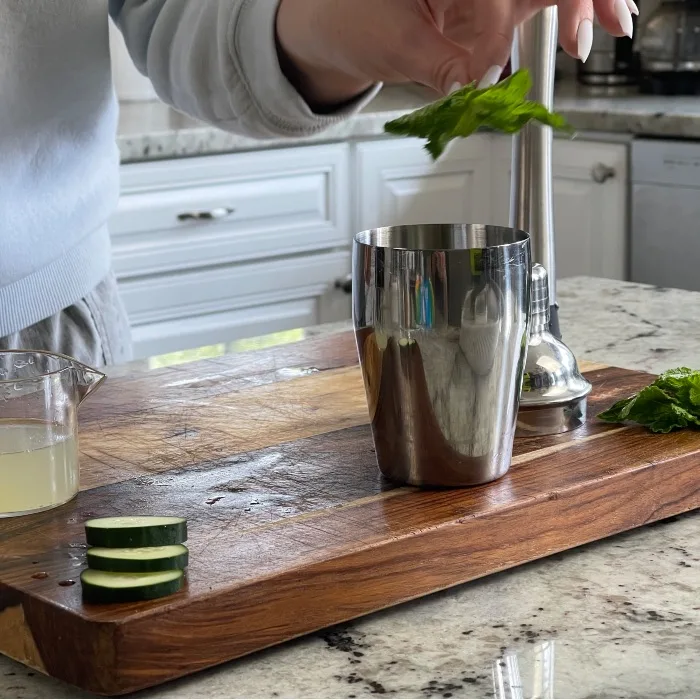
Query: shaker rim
x: 463, y: 237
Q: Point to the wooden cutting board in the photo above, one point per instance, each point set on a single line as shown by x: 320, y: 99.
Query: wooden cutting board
x: 270, y: 457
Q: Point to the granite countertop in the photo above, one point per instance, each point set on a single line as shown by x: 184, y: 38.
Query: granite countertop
x: 619, y: 618
x: 151, y: 130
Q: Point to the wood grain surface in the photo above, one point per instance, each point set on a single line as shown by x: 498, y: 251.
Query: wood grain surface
x: 292, y: 529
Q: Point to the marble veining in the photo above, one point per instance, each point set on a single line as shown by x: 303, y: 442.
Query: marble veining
x: 151, y: 130
x: 615, y: 619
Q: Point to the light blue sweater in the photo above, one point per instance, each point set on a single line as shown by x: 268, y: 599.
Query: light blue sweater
x: 213, y: 59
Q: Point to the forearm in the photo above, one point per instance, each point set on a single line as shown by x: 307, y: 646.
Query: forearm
x: 322, y: 87
x: 218, y: 61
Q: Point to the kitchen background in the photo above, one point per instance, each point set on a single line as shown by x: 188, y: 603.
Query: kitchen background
x: 219, y: 238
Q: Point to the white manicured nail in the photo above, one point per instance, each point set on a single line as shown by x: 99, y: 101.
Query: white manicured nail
x: 455, y: 87
x: 491, y: 77
x: 624, y: 17
x: 584, y: 39
x: 632, y: 5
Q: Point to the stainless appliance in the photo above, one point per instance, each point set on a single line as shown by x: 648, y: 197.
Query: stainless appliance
x: 669, y: 48
x: 441, y: 315
x: 665, y: 242
x: 612, y: 62
x: 548, y: 409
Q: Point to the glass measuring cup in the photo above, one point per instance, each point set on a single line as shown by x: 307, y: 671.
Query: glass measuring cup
x: 39, y: 397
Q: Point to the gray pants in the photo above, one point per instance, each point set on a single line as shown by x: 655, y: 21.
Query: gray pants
x: 95, y: 330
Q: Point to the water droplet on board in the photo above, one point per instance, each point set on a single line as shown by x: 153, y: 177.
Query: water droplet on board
x: 67, y: 582
x: 297, y: 371
x: 40, y: 575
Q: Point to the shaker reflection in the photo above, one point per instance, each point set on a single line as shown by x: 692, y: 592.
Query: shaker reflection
x: 508, y: 683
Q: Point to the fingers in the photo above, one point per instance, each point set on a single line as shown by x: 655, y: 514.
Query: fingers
x: 615, y: 16
x: 436, y: 61
x: 576, y: 27
x: 576, y: 19
x: 493, y: 40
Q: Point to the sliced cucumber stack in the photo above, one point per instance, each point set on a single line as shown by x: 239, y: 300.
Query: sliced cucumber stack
x: 138, y: 560
x: 136, y: 531
x: 112, y: 587
x: 134, y: 558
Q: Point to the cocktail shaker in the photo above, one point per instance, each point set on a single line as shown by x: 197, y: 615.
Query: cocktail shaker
x: 441, y: 318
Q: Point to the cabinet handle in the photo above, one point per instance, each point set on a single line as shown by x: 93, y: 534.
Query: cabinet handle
x: 345, y: 284
x: 602, y: 173
x: 213, y: 215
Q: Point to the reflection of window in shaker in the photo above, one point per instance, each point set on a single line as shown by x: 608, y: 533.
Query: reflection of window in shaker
x: 424, y: 301
x: 370, y: 292
x: 439, y: 288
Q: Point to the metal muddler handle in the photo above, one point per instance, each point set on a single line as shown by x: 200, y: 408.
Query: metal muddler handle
x: 535, y: 47
x: 554, y: 393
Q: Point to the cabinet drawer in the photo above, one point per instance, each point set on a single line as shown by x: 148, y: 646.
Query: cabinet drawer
x: 188, y: 294
x: 666, y: 162
x: 180, y: 214
x: 224, y: 327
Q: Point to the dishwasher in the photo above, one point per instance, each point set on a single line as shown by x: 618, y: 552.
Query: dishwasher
x: 665, y: 239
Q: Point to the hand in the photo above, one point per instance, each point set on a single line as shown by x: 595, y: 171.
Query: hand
x: 337, y: 48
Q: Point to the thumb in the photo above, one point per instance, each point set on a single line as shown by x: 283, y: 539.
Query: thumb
x: 436, y: 61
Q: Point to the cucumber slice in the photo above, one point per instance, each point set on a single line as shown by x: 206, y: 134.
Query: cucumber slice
x: 109, y: 587
x: 138, y: 560
x: 136, y: 531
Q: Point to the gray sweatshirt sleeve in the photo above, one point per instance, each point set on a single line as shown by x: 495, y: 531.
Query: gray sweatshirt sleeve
x: 216, y: 60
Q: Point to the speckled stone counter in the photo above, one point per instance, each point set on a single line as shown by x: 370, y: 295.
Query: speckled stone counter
x: 150, y: 130
x: 619, y: 618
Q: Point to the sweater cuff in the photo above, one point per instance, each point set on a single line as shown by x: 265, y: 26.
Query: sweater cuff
x: 278, y: 103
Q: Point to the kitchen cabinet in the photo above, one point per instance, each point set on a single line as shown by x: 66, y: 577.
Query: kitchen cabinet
x: 590, y: 190
x: 224, y: 247
x: 398, y: 183
x: 219, y: 248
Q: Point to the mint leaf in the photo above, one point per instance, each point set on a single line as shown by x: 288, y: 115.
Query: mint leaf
x: 501, y: 107
x: 671, y: 402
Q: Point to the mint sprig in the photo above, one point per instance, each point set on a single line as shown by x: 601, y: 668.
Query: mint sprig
x: 671, y: 402
x: 501, y: 107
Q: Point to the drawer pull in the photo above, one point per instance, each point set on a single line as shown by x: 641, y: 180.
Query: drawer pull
x: 213, y: 215
x: 344, y: 284
x: 602, y: 173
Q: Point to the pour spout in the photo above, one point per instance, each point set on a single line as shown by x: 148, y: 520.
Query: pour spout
x: 86, y: 379
x: 535, y: 48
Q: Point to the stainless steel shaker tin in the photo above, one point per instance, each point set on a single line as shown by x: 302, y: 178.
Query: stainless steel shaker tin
x: 441, y: 318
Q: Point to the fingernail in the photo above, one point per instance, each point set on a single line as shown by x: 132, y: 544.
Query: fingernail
x: 584, y: 39
x: 491, y: 77
x: 624, y: 17
x: 454, y: 87
x: 632, y: 5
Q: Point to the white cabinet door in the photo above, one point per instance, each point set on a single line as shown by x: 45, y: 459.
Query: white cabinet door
x: 202, y: 330
x: 205, y: 306
x: 214, y: 210
x: 590, y: 191
x: 398, y: 183
x: 214, y: 290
